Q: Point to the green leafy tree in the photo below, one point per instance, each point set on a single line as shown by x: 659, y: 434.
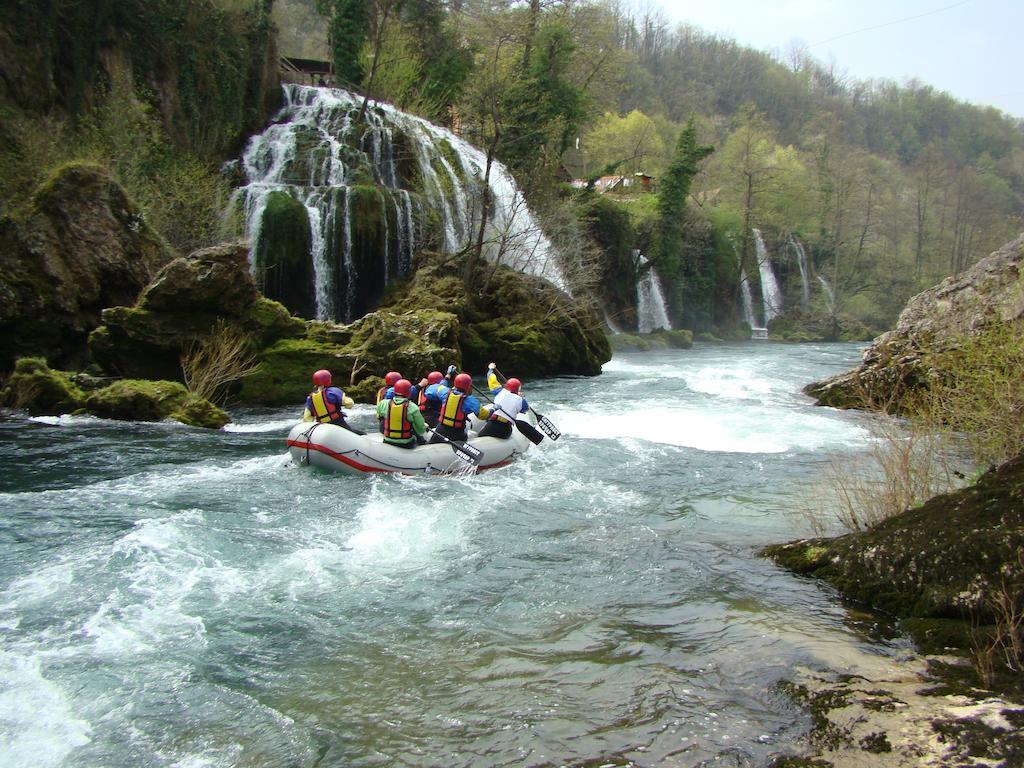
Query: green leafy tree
x: 348, y: 31
x: 696, y: 278
x: 631, y: 143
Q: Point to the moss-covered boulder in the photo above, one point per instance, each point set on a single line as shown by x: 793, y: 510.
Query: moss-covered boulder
x: 141, y: 400
x: 944, y: 560
x: 902, y: 362
x: 358, y: 355
x: 659, y: 339
x: 81, y: 246
x: 41, y: 390
x: 281, y: 258
x: 523, y: 322
x: 183, y: 304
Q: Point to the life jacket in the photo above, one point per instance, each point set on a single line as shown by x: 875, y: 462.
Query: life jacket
x: 325, y: 410
x: 421, y: 399
x: 396, y: 421
x: 451, y: 413
x: 380, y: 394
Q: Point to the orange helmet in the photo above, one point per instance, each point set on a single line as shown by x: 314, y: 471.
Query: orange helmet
x: 403, y: 387
x: 322, y: 378
x: 513, y: 385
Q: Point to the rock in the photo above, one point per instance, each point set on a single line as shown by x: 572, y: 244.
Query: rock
x: 139, y: 400
x: 950, y: 314
x: 82, y: 246
x: 943, y: 560
x: 40, y: 390
x: 659, y: 339
x: 358, y: 355
x: 523, y: 322
x: 182, y: 305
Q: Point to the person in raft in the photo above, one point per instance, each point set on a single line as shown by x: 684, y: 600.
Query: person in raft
x: 429, y: 401
x: 456, y: 406
x: 387, y: 391
x: 324, y: 404
x: 403, y: 422
x: 508, y: 404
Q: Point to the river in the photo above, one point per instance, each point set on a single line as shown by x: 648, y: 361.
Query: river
x: 178, y: 597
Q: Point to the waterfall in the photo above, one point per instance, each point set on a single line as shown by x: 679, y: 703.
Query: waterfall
x: 829, y: 295
x: 748, y: 300
x: 650, y: 302
x: 771, y: 296
x: 408, y: 183
x: 801, y: 258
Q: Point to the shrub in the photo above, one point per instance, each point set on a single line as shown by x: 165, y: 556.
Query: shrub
x: 222, y: 358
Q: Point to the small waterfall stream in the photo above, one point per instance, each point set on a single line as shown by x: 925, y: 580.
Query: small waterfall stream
x: 770, y: 293
x: 650, y: 301
x: 368, y: 196
x: 801, y: 259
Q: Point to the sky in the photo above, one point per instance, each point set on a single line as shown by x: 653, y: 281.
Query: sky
x: 972, y: 49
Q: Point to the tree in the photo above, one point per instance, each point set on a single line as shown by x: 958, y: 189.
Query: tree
x: 632, y: 143
x: 348, y: 30
x: 670, y: 234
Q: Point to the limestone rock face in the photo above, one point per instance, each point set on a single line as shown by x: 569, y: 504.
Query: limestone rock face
x: 933, y: 322
x: 181, y: 305
x: 82, y: 246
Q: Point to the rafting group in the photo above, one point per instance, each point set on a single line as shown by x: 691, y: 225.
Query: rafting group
x: 484, y: 434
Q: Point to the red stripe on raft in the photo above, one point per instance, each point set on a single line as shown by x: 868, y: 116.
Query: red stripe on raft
x: 363, y: 467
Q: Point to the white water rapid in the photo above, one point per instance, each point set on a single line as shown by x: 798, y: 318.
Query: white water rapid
x: 651, y: 311
x: 315, y: 152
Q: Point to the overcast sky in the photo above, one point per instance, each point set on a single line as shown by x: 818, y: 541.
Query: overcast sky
x: 973, y: 49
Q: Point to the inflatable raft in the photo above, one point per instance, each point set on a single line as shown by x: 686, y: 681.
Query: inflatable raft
x: 332, y: 447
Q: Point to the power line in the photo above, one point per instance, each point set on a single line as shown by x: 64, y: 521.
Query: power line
x: 890, y: 23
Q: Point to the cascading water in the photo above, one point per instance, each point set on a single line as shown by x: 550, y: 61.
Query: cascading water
x: 748, y: 300
x: 770, y: 293
x: 801, y: 259
x: 829, y: 295
x: 650, y: 302
x: 343, y: 206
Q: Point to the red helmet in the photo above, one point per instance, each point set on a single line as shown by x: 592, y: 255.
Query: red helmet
x: 513, y: 385
x: 403, y: 387
x: 392, y: 377
x: 434, y: 377
x: 464, y: 382
x: 322, y: 378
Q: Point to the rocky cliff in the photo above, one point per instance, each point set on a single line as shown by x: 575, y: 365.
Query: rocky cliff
x: 936, y: 321
x: 82, y: 246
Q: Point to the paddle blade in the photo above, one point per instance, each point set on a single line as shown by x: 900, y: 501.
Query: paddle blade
x: 529, y: 431
x: 467, y: 452
x: 549, y: 429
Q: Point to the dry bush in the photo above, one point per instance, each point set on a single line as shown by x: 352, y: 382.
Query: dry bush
x: 904, y: 467
x: 1002, y: 649
x: 223, y: 357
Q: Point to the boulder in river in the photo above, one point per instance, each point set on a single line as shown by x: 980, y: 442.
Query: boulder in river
x: 936, y: 321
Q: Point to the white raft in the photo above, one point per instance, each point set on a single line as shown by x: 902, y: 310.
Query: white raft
x: 332, y: 447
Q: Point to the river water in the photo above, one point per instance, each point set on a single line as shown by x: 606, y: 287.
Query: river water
x: 178, y: 597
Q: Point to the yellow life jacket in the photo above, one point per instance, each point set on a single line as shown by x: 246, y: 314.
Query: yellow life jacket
x: 396, y: 422
x: 323, y: 409
x: 451, y: 414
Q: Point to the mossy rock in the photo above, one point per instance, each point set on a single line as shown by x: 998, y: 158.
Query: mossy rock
x: 658, y: 339
x: 41, y: 390
x: 144, y: 400
x: 281, y: 259
x: 946, y: 559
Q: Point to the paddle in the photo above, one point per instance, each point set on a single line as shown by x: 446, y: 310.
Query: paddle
x: 464, y: 451
x: 527, y: 429
x: 542, y: 421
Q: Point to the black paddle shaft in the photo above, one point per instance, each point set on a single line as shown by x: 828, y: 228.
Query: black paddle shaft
x: 528, y: 431
x: 464, y: 451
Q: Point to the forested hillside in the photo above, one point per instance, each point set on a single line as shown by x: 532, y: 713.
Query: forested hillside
x: 888, y: 186
x: 881, y: 188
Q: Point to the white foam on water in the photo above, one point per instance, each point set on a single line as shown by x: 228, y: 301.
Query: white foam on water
x: 277, y: 425
x: 38, y: 726
x: 731, y: 383
x: 747, y: 430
